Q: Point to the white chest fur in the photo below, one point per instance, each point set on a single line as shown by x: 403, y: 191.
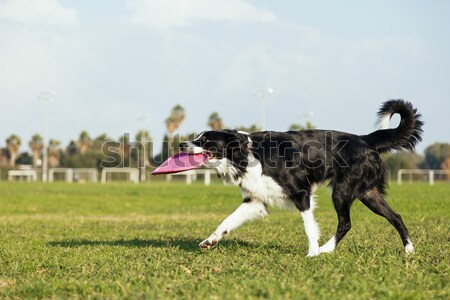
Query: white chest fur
x: 254, y: 184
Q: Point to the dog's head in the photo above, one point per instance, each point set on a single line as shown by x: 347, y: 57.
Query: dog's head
x: 222, y: 145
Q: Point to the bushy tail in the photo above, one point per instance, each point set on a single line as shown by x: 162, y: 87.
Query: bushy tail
x: 405, y: 136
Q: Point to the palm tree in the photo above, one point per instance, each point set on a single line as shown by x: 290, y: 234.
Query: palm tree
x: 142, y: 136
x: 54, y: 153
x: 215, y: 121
x: 13, y: 143
x: 173, y: 122
x: 101, y: 139
x: 36, y: 144
x: 84, y: 142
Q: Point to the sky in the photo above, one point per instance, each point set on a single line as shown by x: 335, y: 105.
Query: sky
x: 110, y: 62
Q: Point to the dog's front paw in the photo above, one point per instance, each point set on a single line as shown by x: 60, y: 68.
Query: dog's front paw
x: 312, y: 254
x: 207, y: 244
x: 313, y: 251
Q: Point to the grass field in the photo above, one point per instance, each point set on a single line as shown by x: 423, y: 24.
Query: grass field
x: 140, y: 241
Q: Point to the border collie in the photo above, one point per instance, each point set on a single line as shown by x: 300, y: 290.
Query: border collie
x: 283, y: 169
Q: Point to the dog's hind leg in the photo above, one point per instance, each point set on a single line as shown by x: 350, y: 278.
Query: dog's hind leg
x: 250, y: 209
x: 374, y: 200
x: 342, y: 205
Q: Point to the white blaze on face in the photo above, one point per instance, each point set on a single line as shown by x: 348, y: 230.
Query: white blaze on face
x: 194, y: 149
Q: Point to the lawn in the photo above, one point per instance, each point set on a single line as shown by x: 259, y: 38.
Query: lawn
x: 140, y: 241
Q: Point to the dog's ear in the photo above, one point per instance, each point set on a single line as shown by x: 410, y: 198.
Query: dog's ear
x: 246, y: 147
x: 241, y: 141
x: 194, y: 136
x: 246, y: 144
x: 230, y: 131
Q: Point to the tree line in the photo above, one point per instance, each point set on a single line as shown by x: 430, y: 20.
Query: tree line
x: 88, y: 152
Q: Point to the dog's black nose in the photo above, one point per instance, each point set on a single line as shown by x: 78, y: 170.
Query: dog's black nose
x: 183, y: 146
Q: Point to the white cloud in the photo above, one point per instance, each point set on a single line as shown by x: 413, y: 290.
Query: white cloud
x: 165, y: 14
x: 35, y: 54
x: 32, y: 12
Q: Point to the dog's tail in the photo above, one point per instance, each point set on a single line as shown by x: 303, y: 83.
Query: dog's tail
x: 405, y: 136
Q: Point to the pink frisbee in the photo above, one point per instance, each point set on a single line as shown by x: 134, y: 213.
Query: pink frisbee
x: 181, y: 162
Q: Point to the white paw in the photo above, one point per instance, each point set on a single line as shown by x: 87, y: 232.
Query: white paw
x: 409, y: 248
x: 328, y: 246
x: 313, y: 252
x: 208, y: 244
x: 324, y: 249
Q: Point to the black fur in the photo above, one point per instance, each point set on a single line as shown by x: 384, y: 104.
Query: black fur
x: 405, y: 136
x: 297, y: 160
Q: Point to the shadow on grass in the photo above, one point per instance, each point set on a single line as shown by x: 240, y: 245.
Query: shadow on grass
x: 183, y: 244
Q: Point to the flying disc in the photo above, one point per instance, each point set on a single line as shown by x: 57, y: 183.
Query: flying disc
x: 181, y: 162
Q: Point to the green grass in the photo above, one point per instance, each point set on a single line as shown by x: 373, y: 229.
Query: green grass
x: 140, y: 241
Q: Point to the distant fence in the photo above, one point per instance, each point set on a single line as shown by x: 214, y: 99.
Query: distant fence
x: 68, y: 174
x: 28, y: 175
x: 75, y: 174
x: 133, y: 174
x: 192, y: 175
x: 81, y: 175
x: 423, y: 175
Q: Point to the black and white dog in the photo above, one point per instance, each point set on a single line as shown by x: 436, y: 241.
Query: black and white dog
x: 284, y: 169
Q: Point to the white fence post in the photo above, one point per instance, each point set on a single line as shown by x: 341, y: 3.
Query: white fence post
x: 133, y: 173
x: 426, y: 174
x: 207, y: 177
x: 399, y: 176
x: 103, y: 180
x: 69, y: 175
x: 188, y: 178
